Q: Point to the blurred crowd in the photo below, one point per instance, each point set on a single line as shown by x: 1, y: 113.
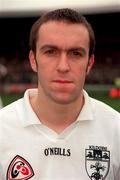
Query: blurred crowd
x: 15, y: 71
x: 104, y: 73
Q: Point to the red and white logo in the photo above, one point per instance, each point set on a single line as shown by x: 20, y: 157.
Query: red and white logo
x: 19, y: 169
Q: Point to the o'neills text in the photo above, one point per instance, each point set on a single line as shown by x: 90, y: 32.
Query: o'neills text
x: 57, y: 151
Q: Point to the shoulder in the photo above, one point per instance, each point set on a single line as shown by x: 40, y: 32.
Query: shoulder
x: 10, y: 106
x: 106, y: 118
x: 103, y: 110
x: 10, y: 111
x: 99, y: 109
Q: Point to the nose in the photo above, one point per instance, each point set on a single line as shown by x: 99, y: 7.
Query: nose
x: 63, y: 64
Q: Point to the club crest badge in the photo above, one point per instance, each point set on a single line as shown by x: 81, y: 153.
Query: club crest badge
x: 97, y: 162
x: 19, y: 169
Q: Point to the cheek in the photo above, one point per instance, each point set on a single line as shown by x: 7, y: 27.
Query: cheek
x: 80, y: 74
x: 44, y: 72
x: 80, y: 70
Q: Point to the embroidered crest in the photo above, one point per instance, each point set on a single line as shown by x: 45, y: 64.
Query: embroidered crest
x: 19, y: 169
x: 97, y: 162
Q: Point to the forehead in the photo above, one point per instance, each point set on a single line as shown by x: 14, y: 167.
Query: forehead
x: 63, y: 33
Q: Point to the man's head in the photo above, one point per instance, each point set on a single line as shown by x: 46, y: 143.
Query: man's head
x: 62, y: 46
x: 62, y: 15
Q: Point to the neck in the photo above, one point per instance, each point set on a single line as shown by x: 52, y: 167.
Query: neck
x: 56, y: 116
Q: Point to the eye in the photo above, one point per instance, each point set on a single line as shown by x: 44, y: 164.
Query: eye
x: 75, y: 53
x: 51, y: 52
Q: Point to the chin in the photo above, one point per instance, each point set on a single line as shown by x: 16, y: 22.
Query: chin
x: 64, y: 100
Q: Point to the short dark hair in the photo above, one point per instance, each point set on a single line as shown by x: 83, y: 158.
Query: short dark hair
x: 65, y: 15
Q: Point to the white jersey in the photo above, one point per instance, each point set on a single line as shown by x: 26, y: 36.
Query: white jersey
x: 88, y: 149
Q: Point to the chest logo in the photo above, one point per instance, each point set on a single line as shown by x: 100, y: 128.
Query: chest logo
x: 97, y: 162
x: 19, y: 169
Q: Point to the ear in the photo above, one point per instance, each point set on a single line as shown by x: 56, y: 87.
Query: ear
x: 90, y: 63
x: 32, y: 60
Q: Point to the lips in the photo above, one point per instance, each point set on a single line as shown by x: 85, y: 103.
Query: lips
x: 62, y: 81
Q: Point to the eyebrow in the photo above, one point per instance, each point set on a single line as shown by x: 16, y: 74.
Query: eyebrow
x: 47, y: 46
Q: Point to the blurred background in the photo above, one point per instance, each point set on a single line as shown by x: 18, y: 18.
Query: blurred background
x: 16, y: 19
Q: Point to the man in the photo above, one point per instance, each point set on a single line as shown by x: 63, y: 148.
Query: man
x: 57, y: 132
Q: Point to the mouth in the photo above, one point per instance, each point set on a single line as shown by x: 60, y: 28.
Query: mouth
x: 62, y: 81
x: 63, y: 85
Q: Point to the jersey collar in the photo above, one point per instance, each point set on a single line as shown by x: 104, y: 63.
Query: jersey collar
x: 30, y: 118
x: 87, y: 109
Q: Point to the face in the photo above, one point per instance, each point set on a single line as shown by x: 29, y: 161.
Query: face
x: 61, y: 61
